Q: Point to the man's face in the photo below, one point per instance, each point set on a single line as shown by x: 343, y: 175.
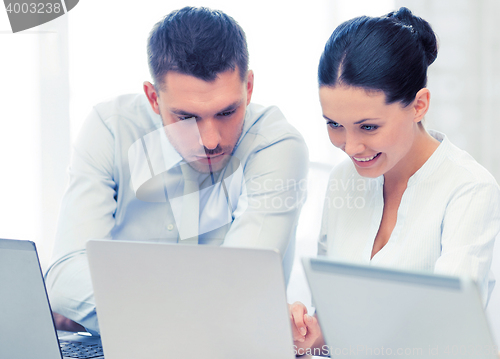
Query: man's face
x: 203, y: 120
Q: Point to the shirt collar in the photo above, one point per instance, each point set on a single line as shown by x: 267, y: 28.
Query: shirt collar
x: 248, y: 122
x: 434, y: 161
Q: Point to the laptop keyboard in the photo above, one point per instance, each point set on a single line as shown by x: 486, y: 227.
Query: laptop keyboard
x: 81, y: 350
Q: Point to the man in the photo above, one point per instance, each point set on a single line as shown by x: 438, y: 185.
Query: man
x: 191, y: 162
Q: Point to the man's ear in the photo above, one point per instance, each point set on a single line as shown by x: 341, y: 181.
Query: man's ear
x: 249, y: 86
x: 421, y: 104
x: 152, y: 96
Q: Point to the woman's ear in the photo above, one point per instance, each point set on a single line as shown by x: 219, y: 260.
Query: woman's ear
x: 421, y: 104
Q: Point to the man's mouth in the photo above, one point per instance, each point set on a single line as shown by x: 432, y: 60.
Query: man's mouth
x: 210, y: 159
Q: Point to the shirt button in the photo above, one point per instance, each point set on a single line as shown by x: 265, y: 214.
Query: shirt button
x: 170, y: 227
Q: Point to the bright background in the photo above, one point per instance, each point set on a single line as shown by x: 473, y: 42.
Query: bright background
x: 52, y: 75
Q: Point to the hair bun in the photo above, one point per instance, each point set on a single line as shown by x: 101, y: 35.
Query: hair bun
x: 421, y: 28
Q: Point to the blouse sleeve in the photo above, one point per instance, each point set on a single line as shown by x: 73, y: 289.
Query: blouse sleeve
x: 471, y: 223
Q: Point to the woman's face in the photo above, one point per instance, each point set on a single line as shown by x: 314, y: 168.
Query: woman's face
x: 377, y: 137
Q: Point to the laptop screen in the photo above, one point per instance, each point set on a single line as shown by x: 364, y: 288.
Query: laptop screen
x: 26, y: 326
x: 367, y: 311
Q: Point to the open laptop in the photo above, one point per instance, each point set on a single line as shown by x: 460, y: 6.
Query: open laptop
x: 26, y: 325
x: 182, y: 301
x: 367, y: 311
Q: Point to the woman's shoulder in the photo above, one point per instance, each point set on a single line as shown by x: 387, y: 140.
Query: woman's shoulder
x: 344, y: 169
x: 464, y: 168
x: 344, y: 178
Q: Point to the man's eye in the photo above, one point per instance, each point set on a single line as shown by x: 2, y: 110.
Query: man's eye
x: 226, y: 113
x: 183, y: 118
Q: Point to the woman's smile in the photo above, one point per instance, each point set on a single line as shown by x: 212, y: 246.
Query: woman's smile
x: 366, y: 161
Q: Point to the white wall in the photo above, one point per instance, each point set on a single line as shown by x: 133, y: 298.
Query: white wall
x: 34, y: 131
x: 19, y: 139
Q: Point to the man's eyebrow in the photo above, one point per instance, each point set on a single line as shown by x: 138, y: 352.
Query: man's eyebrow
x: 231, y: 106
x: 181, y: 112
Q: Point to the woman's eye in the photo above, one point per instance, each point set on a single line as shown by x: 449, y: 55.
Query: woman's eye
x: 333, y: 124
x: 369, y: 127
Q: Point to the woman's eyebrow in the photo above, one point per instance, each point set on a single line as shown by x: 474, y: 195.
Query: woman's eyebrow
x: 366, y: 119
x: 356, y: 123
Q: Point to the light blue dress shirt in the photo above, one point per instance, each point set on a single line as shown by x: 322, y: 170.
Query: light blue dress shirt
x: 113, y: 194
x: 447, y: 220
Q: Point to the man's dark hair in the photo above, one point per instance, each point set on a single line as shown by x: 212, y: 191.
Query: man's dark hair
x: 199, y: 42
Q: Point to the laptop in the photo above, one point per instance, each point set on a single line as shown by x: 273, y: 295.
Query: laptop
x: 367, y: 311
x: 26, y: 326
x: 158, y: 300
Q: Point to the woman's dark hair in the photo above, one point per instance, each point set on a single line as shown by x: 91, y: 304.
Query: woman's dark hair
x: 197, y: 41
x: 390, y: 53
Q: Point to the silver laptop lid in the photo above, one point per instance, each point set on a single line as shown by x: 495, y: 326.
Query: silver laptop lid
x: 367, y: 311
x: 180, y: 301
x: 26, y: 325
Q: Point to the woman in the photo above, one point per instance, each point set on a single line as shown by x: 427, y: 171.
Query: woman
x: 406, y: 198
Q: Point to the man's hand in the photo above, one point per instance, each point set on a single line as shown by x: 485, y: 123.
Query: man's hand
x: 305, y: 328
x: 63, y: 323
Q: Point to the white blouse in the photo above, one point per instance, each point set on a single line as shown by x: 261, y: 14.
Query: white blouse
x: 447, y: 220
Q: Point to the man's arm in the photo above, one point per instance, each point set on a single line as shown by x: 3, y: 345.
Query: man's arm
x: 87, y: 211
x: 275, y: 179
x: 63, y: 323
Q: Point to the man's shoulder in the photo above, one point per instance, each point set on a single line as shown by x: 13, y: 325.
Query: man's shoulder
x: 129, y: 109
x: 268, y: 123
x: 270, y: 140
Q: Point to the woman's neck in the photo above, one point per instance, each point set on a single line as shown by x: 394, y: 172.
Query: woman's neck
x: 423, y: 147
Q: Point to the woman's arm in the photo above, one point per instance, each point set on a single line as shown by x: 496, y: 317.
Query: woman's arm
x: 305, y: 329
x: 470, y: 224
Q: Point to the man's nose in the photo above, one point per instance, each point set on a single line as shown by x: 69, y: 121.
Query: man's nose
x: 209, y: 134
